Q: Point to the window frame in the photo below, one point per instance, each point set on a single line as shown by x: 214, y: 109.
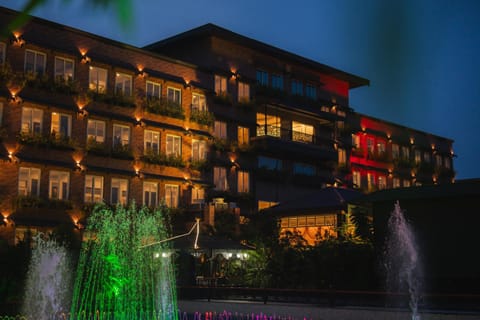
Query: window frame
x: 243, y: 135
x: 172, y: 196
x: 154, y: 189
x: 243, y: 181
x: 243, y: 92
x: 197, y: 195
x: 299, y: 168
x: 147, y: 136
x: 123, y: 84
x: 199, y: 106
x: 61, y: 191
x: 35, y: 70
x: 173, y: 145
x: 296, y: 87
x: 95, y: 84
x: 301, y: 132
x: 220, y: 179
x: 92, y: 195
x: 31, y: 121
x: 221, y: 84
x: 64, y: 75
x: 121, y: 141
x: 311, y: 91
x: 59, y: 134
x: 154, y: 85
x: 199, y: 150
x: 262, y: 77
x: 277, y: 82
x: 220, y: 129
x: 176, y: 98
x: 122, y: 199
x: 28, y: 186
x: 96, y: 135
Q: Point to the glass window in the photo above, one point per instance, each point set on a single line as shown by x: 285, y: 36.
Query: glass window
x: 427, y: 157
x: 243, y: 135
x: 174, y: 95
x: 370, y: 181
x: 357, y: 179
x: 370, y: 146
x: 3, y: 52
x: 61, y: 125
x: 438, y: 160
x: 93, y: 188
x: 243, y: 92
x: 220, y: 85
x: 396, y: 182
x: 405, y: 153
x: 297, y: 88
x: 199, y: 102
x: 123, y: 84
x: 59, y: 185
x: 268, y: 125
x: 220, y: 178
x: 1, y: 113
x: 395, y: 151
x: 199, y: 150
x: 220, y: 129
x: 97, y: 79
x: 302, y: 132
x: 311, y: 91
x: 121, y: 135
x: 153, y: 90
x: 407, y: 183
x: 35, y: 62
x: 262, y: 78
x: 150, y: 194
x: 32, y: 120
x: 171, y: 195
x: 96, y: 130
x: 29, y: 182
x: 447, y: 162
x: 303, y: 169
x: 63, y: 68
x: 277, y: 81
x: 355, y: 141
x: 198, y: 195
x: 151, y: 142
x: 381, y: 148
x: 342, y: 156
x: 269, y: 163
x: 418, y: 156
x: 174, y: 145
x: 382, y: 182
x: 243, y: 181
x: 119, y: 191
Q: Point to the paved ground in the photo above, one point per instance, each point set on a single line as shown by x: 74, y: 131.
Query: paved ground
x: 302, y: 312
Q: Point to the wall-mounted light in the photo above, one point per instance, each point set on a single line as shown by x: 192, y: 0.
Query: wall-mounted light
x: 80, y: 167
x: 139, y: 174
x: 17, y: 40
x: 235, y: 75
x: 82, y: 113
x: 412, y: 141
x: 85, y: 59
x: 141, y: 73
x: 139, y: 123
x: 12, y: 157
x: 15, y: 99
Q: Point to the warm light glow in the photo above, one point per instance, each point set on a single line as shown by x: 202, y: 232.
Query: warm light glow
x: 18, y: 41
x: 433, y: 146
x: 412, y: 141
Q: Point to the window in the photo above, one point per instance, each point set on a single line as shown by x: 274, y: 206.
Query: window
x: 151, y: 142
x: 382, y: 182
x: 1, y: 113
x: 243, y: 181
x: 59, y: 185
x: 153, y: 90
x: 29, y: 182
x: 119, y: 191
x: 171, y: 195
x: 405, y: 153
x: 418, y: 156
x: 199, y: 102
x: 121, y: 135
x: 63, y: 69
x: 174, y: 145
x: 427, y: 157
x: 150, y: 194
x: 262, y: 204
x: 447, y: 162
x: 220, y: 129
x: 303, y: 169
x: 93, y: 188
x: 3, y: 52
x: 174, y: 96
x: 277, y: 81
x: 243, y: 135
x: 302, y: 132
x: 96, y: 131
x: 220, y: 85
x: 438, y: 160
x: 269, y: 163
x: 35, y: 62
x: 61, y: 125
x: 32, y: 120
x: 370, y: 181
x: 297, y: 88
x: 370, y: 146
x: 243, y: 92
x: 357, y: 179
x: 220, y: 178
x: 97, y: 79
x: 395, y: 151
x: 311, y: 92
x: 342, y: 157
x: 268, y: 125
x: 381, y: 148
x: 199, y: 150
x: 262, y: 78
x: 355, y: 141
x: 396, y: 182
x: 123, y: 84
x: 406, y: 183
x: 198, y: 195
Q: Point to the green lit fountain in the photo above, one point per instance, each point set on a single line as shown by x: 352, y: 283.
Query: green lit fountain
x: 121, y: 276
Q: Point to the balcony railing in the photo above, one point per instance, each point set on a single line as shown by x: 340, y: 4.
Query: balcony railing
x: 286, y: 134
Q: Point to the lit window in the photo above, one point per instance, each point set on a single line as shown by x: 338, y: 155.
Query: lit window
x: 311, y: 92
x: 243, y: 135
x: 427, y: 157
x: 370, y: 146
x: 3, y: 51
x: 302, y: 132
x: 199, y: 150
x: 382, y: 182
x: 262, y: 78
x: 370, y: 181
x: 220, y: 178
x: 121, y: 135
x: 63, y: 69
x: 381, y: 148
x: 35, y: 62
x: 153, y: 90
x: 269, y: 163
x: 342, y: 157
x: 406, y: 183
x: 405, y: 153
x: 396, y: 182
x: 357, y: 179
x: 438, y: 160
x: 174, y: 96
x: 268, y: 125
x: 243, y: 92
x: 277, y: 81
x: 243, y: 181
x: 32, y: 120
x: 123, y: 84
x: 262, y: 204
x: 96, y: 131
x: 198, y: 195
x: 220, y: 85
x: 418, y: 156
x: 173, y: 145
x: 61, y: 125
x: 171, y: 195
x: 395, y: 151
x: 29, y: 182
x: 199, y: 102
x: 355, y: 141
x: 303, y: 169
x: 297, y: 88
x: 220, y: 129
x: 93, y: 188
x: 151, y: 142
x: 447, y: 162
x: 59, y: 185
x: 119, y: 191
x: 97, y: 79
x: 150, y: 194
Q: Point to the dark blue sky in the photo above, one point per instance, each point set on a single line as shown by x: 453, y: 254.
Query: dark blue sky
x: 422, y: 57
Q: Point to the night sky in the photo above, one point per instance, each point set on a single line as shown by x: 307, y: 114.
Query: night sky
x: 421, y: 57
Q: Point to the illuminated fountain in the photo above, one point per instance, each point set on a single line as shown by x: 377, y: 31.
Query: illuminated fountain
x: 402, y: 259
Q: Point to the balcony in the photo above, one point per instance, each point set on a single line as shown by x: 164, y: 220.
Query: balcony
x: 201, y: 116
x: 164, y: 107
